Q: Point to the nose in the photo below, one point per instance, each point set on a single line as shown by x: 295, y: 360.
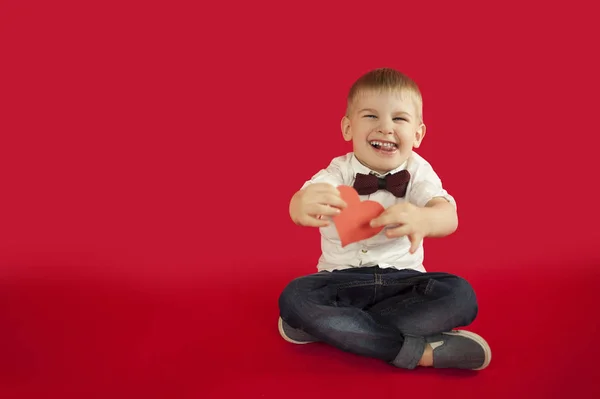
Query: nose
x: 386, y: 127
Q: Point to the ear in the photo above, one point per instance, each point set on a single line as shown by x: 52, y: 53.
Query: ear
x: 419, y: 134
x: 345, y: 125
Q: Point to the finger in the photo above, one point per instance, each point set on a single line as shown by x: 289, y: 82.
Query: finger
x: 400, y: 231
x: 326, y: 188
x: 387, y: 218
x: 415, y: 241
x: 320, y: 209
x: 314, y: 221
x: 380, y: 220
x: 331, y: 200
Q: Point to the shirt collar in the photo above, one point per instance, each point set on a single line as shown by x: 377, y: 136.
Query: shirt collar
x: 360, y: 168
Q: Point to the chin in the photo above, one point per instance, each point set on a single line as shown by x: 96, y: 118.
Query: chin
x: 379, y: 163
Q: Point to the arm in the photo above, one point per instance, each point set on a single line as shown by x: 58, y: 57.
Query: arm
x: 310, y: 205
x: 428, y: 212
x: 440, y: 217
x: 437, y: 218
x: 295, y: 206
x: 318, y: 198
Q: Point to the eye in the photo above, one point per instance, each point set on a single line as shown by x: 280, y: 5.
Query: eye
x: 401, y: 119
x: 369, y: 116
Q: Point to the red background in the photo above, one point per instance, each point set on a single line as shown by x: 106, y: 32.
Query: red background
x: 148, y: 151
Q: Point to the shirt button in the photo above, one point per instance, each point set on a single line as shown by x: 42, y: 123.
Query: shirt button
x: 364, y: 251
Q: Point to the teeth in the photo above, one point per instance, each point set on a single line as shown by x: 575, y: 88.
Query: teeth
x: 382, y: 144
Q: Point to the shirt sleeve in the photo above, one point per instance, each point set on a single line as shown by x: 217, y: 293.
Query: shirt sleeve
x: 427, y: 185
x: 332, y: 175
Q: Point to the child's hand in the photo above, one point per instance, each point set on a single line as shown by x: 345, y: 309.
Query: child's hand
x: 309, y: 205
x: 409, y: 219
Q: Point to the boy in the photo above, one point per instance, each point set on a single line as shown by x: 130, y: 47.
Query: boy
x: 374, y: 297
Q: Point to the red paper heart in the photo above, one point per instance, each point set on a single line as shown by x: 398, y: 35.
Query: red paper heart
x: 352, y: 224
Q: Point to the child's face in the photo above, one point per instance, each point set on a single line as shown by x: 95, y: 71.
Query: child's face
x: 384, y: 127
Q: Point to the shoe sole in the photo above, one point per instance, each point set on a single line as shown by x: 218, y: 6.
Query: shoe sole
x: 288, y: 339
x: 482, y: 342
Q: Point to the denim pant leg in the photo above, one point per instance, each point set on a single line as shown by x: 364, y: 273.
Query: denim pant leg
x: 420, y: 305
x: 330, y: 307
x: 381, y: 313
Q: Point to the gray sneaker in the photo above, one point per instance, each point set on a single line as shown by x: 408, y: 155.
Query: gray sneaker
x: 461, y: 350
x: 294, y: 336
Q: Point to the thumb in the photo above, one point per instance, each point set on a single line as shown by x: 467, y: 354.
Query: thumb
x: 380, y: 220
x: 415, y: 240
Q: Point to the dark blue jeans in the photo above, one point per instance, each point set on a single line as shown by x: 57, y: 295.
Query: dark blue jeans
x: 381, y: 313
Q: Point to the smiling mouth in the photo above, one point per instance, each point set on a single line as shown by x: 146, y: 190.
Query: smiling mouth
x: 383, y: 145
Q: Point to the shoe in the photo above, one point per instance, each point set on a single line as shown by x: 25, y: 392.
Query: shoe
x: 294, y: 336
x: 460, y: 349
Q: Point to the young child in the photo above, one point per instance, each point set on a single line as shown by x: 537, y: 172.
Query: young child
x: 374, y: 297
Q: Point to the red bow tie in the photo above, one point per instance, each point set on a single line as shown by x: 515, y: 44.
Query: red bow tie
x: 395, y: 183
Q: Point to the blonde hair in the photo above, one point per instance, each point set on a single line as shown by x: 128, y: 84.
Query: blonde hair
x: 386, y: 79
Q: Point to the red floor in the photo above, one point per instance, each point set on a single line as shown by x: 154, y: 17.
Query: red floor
x: 65, y: 334
x: 148, y: 151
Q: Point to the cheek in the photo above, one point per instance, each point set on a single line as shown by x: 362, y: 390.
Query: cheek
x: 405, y: 137
x: 364, y: 125
x: 362, y: 132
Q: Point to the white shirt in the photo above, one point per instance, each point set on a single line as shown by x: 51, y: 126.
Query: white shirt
x: 378, y: 250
